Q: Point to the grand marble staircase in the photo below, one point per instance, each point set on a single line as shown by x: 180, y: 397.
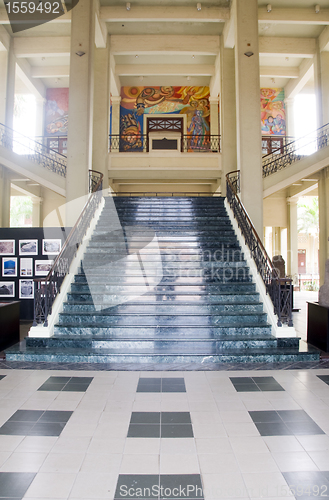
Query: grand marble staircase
x: 170, y: 286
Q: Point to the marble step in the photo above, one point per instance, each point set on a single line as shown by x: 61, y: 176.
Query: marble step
x: 163, y: 308
x: 105, y: 318
x: 174, y: 344
x: 196, y: 255
x: 131, y: 262
x: 159, y: 226
x: 209, y: 288
x: 250, y: 331
x: 159, y: 298
x: 21, y: 352
x: 163, y: 280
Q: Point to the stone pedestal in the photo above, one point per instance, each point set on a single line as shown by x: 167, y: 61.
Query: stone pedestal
x: 324, y: 290
x: 318, y: 326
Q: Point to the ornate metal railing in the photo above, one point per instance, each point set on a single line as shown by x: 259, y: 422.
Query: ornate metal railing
x: 296, y: 150
x: 279, y: 288
x: 46, y: 289
x: 139, y: 143
x: 32, y: 150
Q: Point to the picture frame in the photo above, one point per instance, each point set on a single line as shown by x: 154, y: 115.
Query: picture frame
x: 7, y: 289
x: 51, y: 246
x: 26, y: 289
x: 9, y: 267
x: 28, y: 247
x: 7, y: 247
x: 42, y: 267
x: 26, y: 267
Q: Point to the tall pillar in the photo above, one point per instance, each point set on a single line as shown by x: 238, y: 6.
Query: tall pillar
x: 290, y: 119
x: 324, y: 59
x: 276, y: 241
x: 214, y: 119
x: 36, y: 212
x: 115, y: 117
x: 3, y: 84
x: 40, y: 112
x: 101, y: 113
x: 4, y: 197
x: 323, y: 192
x: 228, y: 114
x: 292, y: 237
x: 10, y: 87
x: 248, y: 109
x: 79, y: 157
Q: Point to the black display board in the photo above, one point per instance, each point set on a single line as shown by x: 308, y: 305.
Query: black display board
x: 36, y: 243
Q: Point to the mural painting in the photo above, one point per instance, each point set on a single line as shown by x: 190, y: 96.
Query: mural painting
x: 273, y: 111
x: 57, y: 107
x: 191, y: 101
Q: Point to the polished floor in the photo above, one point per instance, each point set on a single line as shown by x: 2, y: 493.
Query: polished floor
x: 174, y: 434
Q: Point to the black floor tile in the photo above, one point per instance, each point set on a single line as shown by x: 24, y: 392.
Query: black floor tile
x: 144, y: 431
x: 150, y: 384
x: 145, y: 417
x: 26, y: 416
x: 241, y: 380
x: 81, y: 380
x: 15, y: 484
x: 2, y: 376
x: 265, y: 416
x: 16, y: 428
x: 180, y: 486
x: 58, y: 380
x: 255, y: 384
x: 133, y: 486
x: 55, y: 416
x: 307, y: 484
x: 74, y: 384
x: 149, y: 388
x: 264, y: 380
x: 47, y: 429
x: 274, y: 387
x: 273, y: 429
x: 324, y: 378
x: 173, y: 388
x: 51, y: 387
x: 176, y: 431
x: 304, y: 428
x: 176, y: 417
x: 247, y: 388
x: 294, y: 416
x: 75, y: 387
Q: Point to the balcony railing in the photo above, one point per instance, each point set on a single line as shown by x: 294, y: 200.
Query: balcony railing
x: 140, y: 143
x: 279, y: 288
x: 296, y: 150
x: 32, y: 150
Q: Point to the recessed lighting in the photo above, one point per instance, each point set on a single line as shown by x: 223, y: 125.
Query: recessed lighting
x: 128, y: 5
x: 269, y: 7
x: 198, y: 6
x: 136, y: 56
x: 317, y: 8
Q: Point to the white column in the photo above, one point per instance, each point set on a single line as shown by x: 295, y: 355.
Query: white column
x: 248, y: 109
x: 40, y: 114
x: 115, y: 118
x: 101, y: 113
x: 227, y: 114
x: 323, y: 191
x: 36, y: 212
x: 79, y: 157
x: 10, y: 88
x: 290, y: 118
x: 4, y: 197
x: 214, y: 118
x: 292, y: 238
x: 3, y: 85
x: 324, y: 58
x: 276, y: 241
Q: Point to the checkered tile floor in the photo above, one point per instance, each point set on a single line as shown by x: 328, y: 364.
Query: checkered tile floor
x: 178, y: 435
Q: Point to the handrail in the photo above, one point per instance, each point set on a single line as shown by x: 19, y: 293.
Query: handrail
x: 278, y: 288
x: 33, y: 150
x: 47, y: 288
x: 296, y: 150
x: 140, y: 143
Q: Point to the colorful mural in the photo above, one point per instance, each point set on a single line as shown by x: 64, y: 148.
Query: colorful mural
x: 57, y: 107
x: 272, y: 111
x: 137, y: 101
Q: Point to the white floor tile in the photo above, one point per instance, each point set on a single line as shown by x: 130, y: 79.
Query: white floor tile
x: 225, y: 463
x: 256, y: 462
x: 248, y: 444
x: 63, y: 462
x: 106, y: 445
x: 37, y: 444
x: 99, y: 463
x: 46, y: 485
x: 268, y: 485
x: 213, y: 445
x: 142, y: 446
x: 220, y: 486
x: 179, y: 464
x: 140, y: 464
x: 285, y: 444
x: 321, y: 459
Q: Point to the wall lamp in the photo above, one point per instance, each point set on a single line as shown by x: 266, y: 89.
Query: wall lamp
x: 317, y: 8
x: 269, y: 7
x: 249, y: 53
x: 80, y: 53
x: 128, y: 5
x: 198, y: 6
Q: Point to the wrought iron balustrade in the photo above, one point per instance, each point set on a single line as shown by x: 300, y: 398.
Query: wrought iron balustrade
x: 33, y: 150
x: 295, y: 150
x: 140, y: 143
x: 279, y: 288
x: 46, y: 289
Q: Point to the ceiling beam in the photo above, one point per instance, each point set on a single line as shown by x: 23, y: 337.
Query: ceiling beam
x: 42, y: 46
x: 164, y: 44
x: 24, y: 73
x: 290, y: 47
x: 161, y: 14
x: 293, y: 16
x: 306, y: 71
x: 164, y: 69
x: 279, y: 72
x: 214, y: 85
x: 50, y: 71
x: 324, y: 39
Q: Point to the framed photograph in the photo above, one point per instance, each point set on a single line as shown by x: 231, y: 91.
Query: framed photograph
x: 26, y: 289
x: 26, y: 267
x: 7, y: 288
x: 28, y: 247
x: 7, y: 247
x: 51, y: 247
x: 9, y: 266
x: 42, y: 267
